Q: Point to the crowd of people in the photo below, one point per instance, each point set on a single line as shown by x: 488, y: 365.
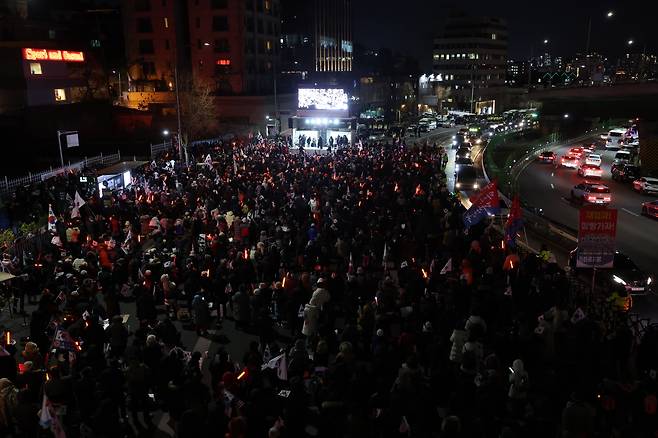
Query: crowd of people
x: 377, y: 313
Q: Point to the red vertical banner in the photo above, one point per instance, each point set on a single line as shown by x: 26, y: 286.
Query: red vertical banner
x: 597, y: 231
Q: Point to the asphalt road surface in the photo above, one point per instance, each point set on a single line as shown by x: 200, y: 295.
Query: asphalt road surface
x: 547, y: 187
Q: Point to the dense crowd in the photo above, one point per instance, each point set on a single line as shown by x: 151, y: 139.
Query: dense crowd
x: 377, y: 314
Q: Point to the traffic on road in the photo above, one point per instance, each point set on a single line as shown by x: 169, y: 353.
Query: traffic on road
x: 599, y: 171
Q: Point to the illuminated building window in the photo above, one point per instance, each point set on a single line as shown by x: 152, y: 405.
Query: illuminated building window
x: 268, y: 5
x: 35, y: 68
x: 493, y: 36
x: 166, y: 22
x: 60, y: 95
x: 268, y: 45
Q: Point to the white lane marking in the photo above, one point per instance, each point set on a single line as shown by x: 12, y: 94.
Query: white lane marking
x: 552, y: 173
x: 631, y: 212
x: 552, y: 186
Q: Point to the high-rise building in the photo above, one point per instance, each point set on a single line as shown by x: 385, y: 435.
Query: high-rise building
x: 316, y: 37
x: 470, y: 56
x: 333, y: 36
x: 231, y: 45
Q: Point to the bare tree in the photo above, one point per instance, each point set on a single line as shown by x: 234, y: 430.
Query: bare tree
x: 198, y: 109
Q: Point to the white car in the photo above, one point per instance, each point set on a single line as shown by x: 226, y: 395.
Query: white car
x: 568, y: 161
x: 591, y: 193
x: 646, y: 185
x: 594, y: 159
x: 613, y: 138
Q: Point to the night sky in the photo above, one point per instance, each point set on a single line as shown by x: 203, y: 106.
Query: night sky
x: 384, y: 23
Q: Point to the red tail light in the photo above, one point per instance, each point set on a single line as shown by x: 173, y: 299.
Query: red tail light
x: 591, y: 198
x: 607, y: 199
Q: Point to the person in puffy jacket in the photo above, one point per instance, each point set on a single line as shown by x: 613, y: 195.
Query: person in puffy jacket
x: 458, y: 339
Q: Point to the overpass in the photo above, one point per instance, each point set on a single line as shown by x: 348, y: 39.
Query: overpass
x: 585, y: 105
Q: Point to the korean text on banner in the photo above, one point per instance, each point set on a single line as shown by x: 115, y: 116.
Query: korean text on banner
x: 596, y: 237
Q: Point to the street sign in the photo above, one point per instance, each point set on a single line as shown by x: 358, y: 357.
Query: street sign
x: 596, y: 237
x: 72, y: 140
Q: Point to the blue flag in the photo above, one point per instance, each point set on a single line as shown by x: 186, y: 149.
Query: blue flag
x: 484, y: 202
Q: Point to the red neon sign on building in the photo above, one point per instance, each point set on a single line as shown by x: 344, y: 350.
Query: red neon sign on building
x: 223, y: 62
x: 31, y: 54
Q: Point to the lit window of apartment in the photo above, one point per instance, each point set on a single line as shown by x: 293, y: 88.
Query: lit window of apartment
x: 35, y: 68
x: 60, y: 94
x: 493, y: 36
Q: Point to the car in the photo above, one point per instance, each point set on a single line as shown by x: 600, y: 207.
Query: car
x: 625, y: 172
x: 577, y: 151
x: 591, y: 193
x: 458, y: 140
x: 630, y: 143
x: 650, y: 208
x: 547, y: 157
x: 590, y: 170
x: 569, y: 161
x: 624, y: 277
x: 589, y: 148
x: 463, y: 152
x: 422, y: 127
x: 466, y: 178
x: 646, y: 184
x: 462, y: 161
x: 613, y: 138
x: 622, y: 157
x: 594, y: 159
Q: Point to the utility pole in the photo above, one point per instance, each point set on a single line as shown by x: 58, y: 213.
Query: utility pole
x: 180, y: 143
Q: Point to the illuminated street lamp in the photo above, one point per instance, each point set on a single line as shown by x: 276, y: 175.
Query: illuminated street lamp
x: 566, y: 115
x: 546, y: 41
x: 610, y: 14
x: 630, y: 42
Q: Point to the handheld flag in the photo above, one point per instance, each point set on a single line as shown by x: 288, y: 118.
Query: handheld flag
x: 280, y: 364
x: 485, y: 201
x: 77, y: 204
x: 52, y: 219
x: 514, y: 223
x: 64, y: 340
x: 447, y: 268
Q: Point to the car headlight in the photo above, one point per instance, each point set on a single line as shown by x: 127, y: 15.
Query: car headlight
x: 458, y: 185
x: 618, y: 280
x: 475, y: 186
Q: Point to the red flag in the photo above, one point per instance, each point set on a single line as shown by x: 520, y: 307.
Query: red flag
x: 514, y: 222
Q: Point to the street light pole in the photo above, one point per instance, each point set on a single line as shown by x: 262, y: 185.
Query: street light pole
x: 61, y: 155
x: 59, y: 142
x: 180, y: 143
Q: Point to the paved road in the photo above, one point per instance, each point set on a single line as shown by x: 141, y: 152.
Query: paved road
x: 544, y: 186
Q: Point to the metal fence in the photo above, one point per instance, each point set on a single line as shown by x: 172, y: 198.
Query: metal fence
x: 157, y: 149
x: 32, y: 244
x: 9, y: 185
